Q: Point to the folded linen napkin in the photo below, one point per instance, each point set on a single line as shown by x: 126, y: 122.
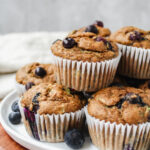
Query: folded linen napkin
x: 19, y: 49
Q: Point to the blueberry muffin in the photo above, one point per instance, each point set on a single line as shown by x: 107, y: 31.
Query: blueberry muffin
x: 85, y: 61
x: 34, y: 74
x: 135, y: 46
x: 132, y: 36
x: 124, y: 114
x: 49, y: 110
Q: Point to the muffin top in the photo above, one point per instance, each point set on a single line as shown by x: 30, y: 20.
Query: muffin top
x: 36, y: 73
x: 145, y: 85
x: 121, y: 105
x: 86, y: 44
x: 47, y: 98
x: 132, y: 36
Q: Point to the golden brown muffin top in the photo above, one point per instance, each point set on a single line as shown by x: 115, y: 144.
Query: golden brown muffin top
x: 47, y: 98
x: 121, y: 105
x: 28, y: 74
x: 132, y: 36
x: 145, y: 85
x: 86, y: 44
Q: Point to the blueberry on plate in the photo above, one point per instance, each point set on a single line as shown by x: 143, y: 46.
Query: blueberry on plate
x: 15, y: 106
x: 15, y: 117
x: 74, y: 139
x: 41, y: 72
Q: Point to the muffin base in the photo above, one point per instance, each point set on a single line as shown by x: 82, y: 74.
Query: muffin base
x: 135, y: 62
x: 51, y: 128
x: 112, y: 136
x: 85, y: 76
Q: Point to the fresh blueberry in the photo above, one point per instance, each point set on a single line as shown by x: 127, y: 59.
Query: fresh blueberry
x: 39, y: 71
x: 149, y: 84
x: 92, y: 29
x: 99, y: 38
x: 99, y: 23
x: 29, y: 85
x: 15, y: 117
x: 69, y: 42
x: 74, y: 139
x: 15, y: 106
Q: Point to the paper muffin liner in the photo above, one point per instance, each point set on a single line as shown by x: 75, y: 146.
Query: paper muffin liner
x: 135, y: 62
x: 51, y: 128
x: 20, y: 88
x: 86, y: 76
x: 112, y: 136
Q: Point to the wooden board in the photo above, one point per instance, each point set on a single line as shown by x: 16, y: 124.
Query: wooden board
x: 7, y: 143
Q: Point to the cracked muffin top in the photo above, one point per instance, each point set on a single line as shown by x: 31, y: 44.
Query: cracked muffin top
x: 121, y: 105
x: 145, y: 85
x: 35, y: 73
x: 47, y: 98
x: 132, y: 36
x: 86, y: 44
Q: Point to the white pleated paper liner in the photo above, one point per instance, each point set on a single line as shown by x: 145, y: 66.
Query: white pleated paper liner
x: 112, y: 136
x: 51, y: 128
x: 135, y: 62
x: 86, y: 76
x: 20, y: 88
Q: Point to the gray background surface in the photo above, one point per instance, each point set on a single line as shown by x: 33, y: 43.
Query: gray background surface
x: 65, y: 15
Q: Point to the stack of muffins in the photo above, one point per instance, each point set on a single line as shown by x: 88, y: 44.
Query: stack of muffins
x: 83, y: 82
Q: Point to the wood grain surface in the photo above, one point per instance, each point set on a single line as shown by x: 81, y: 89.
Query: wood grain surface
x: 7, y: 143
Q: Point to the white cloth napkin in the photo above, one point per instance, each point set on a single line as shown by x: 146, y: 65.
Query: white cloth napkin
x: 19, y: 49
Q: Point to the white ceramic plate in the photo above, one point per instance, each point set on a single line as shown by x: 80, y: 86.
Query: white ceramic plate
x: 18, y: 132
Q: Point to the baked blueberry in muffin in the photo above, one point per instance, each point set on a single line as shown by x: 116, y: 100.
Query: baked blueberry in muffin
x: 53, y: 103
